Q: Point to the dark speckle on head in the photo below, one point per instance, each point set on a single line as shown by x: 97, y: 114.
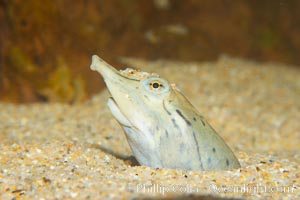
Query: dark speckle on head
x: 227, y: 162
x: 209, y: 160
x: 174, y: 123
x: 198, y: 151
x: 176, y: 126
x: 183, y: 117
x: 203, y: 123
x: 214, y: 149
x: 146, y: 96
x: 167, y: 134
x: 164, y: 106
x: 194, y: 118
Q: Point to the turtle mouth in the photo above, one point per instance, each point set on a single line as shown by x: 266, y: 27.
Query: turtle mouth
x: 117, y: 113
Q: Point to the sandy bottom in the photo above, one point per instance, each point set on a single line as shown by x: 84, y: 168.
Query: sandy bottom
x: 79, y: 151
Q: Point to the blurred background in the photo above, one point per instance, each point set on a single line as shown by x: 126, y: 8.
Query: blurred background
x: 46, y: 46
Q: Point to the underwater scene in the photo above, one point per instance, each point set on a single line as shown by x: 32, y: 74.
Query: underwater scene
x: 149, y: 99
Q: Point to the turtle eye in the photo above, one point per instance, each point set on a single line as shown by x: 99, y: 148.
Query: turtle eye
x: 155, y: 85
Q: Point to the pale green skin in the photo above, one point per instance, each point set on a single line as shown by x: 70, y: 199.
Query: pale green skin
x: 158, y: 135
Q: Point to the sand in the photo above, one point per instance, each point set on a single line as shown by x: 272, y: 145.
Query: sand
x: 59, y: 151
